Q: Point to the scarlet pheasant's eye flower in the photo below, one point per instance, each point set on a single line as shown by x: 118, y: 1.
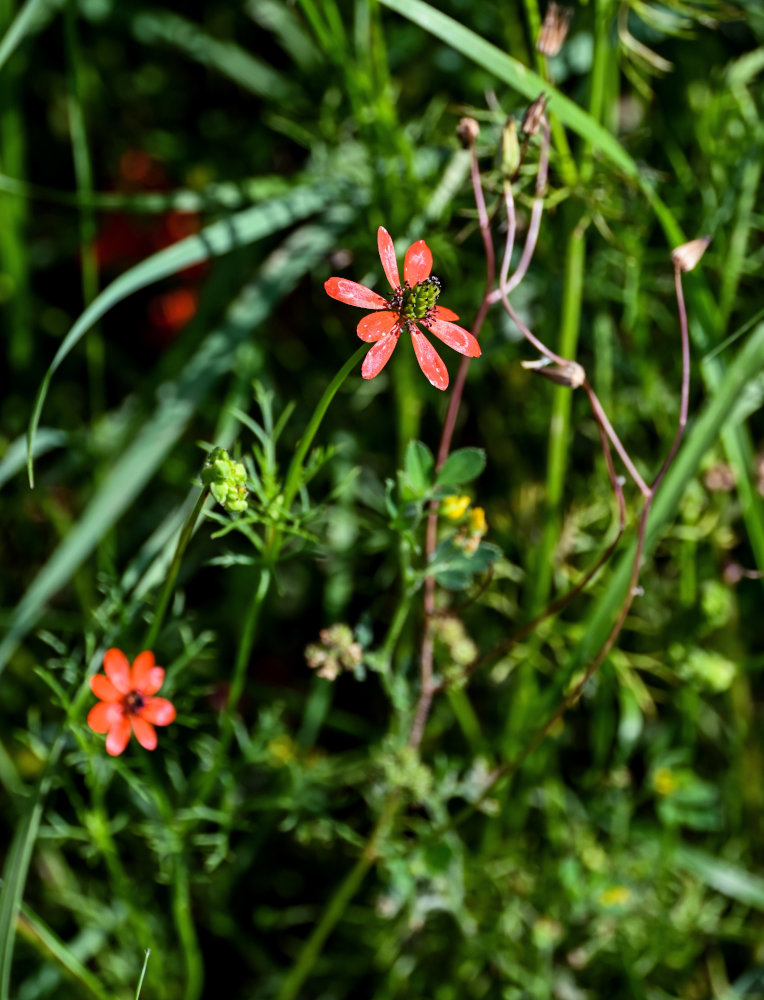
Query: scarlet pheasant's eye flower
x: 127, y: 703
x: 412, y: 302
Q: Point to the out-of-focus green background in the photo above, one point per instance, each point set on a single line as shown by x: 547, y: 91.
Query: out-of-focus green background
x: 265, y: 142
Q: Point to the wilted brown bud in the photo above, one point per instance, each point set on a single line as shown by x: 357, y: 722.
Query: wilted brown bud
x: 510, y: 149
x: 686, y: 256
x: 733, y: 573
x: 554, y: 29
x: 467, y: 131
x: 533, y: 116
x: 571, y: 374
x: 720, y: 478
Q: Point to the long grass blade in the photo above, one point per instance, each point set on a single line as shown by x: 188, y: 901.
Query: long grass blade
x: 214, y: 358
x: 239, y: 230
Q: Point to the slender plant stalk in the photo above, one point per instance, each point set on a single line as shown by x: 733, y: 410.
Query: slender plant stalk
x: 172, y: 574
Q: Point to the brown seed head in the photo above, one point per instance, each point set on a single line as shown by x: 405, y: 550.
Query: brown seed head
x: 554, y: 29
x: 467, y: 131
x: 534, y: 115
x: 687, y: 256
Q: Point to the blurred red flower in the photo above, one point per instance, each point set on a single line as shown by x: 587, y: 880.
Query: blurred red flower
x: 127, y: 703
x: 412, y: 302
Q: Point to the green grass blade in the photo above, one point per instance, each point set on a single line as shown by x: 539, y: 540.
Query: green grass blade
x: 15, y: 458
x: 745, y: 367
x: 29, y: 20
x: 62, y: 954
x: 517, y: 76
x: 724, y: 877
x: 225, y: 58
x: 17, y: 865
x: 215, y: 357
x: 239, y: 230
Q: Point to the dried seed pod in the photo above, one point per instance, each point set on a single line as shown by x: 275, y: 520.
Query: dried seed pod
x: 554, y: 29
x: 571, y: 374
x: 534, y: 115
x: 687, y: 256
x: 467, y: 131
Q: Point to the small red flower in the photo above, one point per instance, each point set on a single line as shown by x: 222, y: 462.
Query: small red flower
x: 412, y: 302
x: 127, y: 701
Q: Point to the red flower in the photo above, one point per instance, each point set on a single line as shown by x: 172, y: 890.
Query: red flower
x: 126, y: 701
x: 411, y: 303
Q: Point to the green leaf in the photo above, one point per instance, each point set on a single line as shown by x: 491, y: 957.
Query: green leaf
x: 216, y: 356
x: 461, y: 467
x: 229, y: 234
x: 32, y: 16
x: 419, y: 464
x: 454, y: 568
x: 723, y: 876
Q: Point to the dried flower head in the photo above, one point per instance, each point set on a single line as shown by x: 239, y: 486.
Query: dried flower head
x: 554, y: 30
x: 467, y: 132
x: 337, y: 651
x: 687, y: 256
x: 534, y: 115
x: 571, y: 374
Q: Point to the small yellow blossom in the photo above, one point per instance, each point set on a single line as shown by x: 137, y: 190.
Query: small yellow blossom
x: 282, y: 749
x: 616, y: 896
x: 454, y: 507
x: 478, y: 523
x: 665, y: 781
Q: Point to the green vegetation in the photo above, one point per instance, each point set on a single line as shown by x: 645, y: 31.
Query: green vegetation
x: 468, y: 682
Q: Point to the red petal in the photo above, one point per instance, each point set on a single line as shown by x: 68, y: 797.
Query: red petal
x: 144, y: 733
x: 440, y: 312
x: 160, y: 711
x: 387, y: 256
x: 104, y: 715
x: 146, y: 677
x: 376, y: 325
x: 118, y: 737
x: 103, y: 688
x: 379, y: 355
x: 354, y: 294
x: 455, y: 336
x: 117, y: 669
x: 429, y: 360
x: 418, y: 263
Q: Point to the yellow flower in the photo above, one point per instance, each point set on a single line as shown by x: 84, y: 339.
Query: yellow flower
x: 478, y: 523
x: 616, y: 896
x: 664, y: 781
x: 454, y: 507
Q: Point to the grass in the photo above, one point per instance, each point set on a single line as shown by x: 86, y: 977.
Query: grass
x: 504, y: 745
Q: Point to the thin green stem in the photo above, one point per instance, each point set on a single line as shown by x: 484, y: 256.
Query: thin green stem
x: 172, y: 575
x: 184, y: 924
x: 338, y: 903
x: 292, y: 484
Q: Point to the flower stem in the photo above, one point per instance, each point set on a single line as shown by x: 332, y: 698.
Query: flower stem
x: 172, y: 575
x: 338, y: 903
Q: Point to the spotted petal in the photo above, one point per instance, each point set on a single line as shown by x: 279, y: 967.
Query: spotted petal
x: 387, y: 256
x: 117, y: 669
x: 429, y: 361
x: 455, y: 336
x: 440, y: 312
x: 118, y: 737
x: 418, y: 263
x: 144, y: 732
x: 379, y: 355
x: 160, y: 711
x: 353, y: 294
x: 376, y: 325
x: 146, y: 676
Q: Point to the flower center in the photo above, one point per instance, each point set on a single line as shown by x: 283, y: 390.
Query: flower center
x: 133, y: 702
x: 419, y: 301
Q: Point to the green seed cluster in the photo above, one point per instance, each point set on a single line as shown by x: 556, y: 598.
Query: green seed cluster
x: 416, y: 302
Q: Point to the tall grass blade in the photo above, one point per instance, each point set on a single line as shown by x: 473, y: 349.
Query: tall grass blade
x: 214, y: 358
x: 239, y: 230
